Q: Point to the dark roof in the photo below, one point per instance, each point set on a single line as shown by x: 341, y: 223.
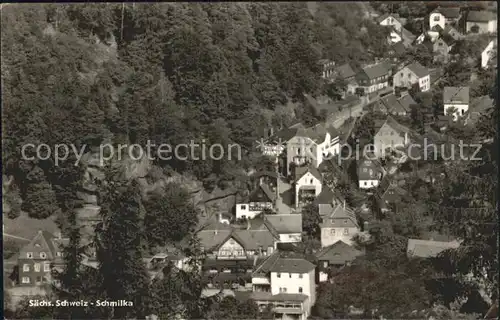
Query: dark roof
x: 451, y: 32
x: 418, y: 69
x: 450, y: 13
x: 407, y: 101
x: 287, y: 133
x: 393, y: 104
x: 340, y: 216
x: 338, y: 253
x: 266, y: 190
x: 301, y: 171
x: 327, y: 196
x: 387, y: 184
x: 285, y: 223
x: 377, y: 70
x: 480, y: 16
x: 373, y: 169
x: 456, y: 95
x: 407, y: 35
x: 345, y: 71
x: 448, y: 39
x: 288, y: 262
x: 396, y: 126
x: 428, y: 248
x: 399, y: 48
x: 479, y: 106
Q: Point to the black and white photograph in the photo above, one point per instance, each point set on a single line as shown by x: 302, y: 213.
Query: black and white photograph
x: 250, y: 160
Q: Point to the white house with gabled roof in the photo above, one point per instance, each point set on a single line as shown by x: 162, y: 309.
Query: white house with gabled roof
x: 307, y: 183
x: 285, y: 281
x: 339, y: 223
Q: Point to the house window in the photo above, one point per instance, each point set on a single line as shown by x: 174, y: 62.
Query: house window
x: 402, y: 75
x: 325, y: 264
x: 298, y: 150
x: 332, y: 232
x: 38, y: 279
x: 346, y: 231
x: 279, y: 275
x: 43, y: 255
x: 437, y: 18
x: 462, y: 111
x: 371, y: 183
x: 46, y: 267
x: 365, y: 183
x: 37, y: 267
x: 300, y: 276
x: 29, y: 255
x: 25, y: 280
x: 300, y: 289
x: 243, y: 207
x: 26, y: 267
x: 311, y: 181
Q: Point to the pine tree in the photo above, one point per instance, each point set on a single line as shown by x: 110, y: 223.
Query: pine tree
x: 40, y: 200
x: 121, y: 266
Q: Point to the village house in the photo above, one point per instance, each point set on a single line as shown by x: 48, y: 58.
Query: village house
x: 456, y: 101
x: 338, y: 223
x: 488, y: 54
x: 329, y: 197
x: 373, y: 78
x: 335, y: 257
x: 428, y: 248
x: 481, y: 22
x: 390, y: 134
x: 442, y: 47
x: 397, y: 51
x: 298, y: 146
x: 286, y: 282
x: 346, y: 74
x: 452, y: 32
x: 308, y: 183
x: 328, y: 68
x: 479, y: 106
x: 413, y: 74
x: 329, y: 110
x: 370, y: 172
x: 403, y: 36
x: 390, y: 19
x: 288, y: 227
x: 262, y: 197
x: 444, y: 16
x: 387, y: 194
x: 38, y: 257
x: 232, y: 252
x: 394, y: 105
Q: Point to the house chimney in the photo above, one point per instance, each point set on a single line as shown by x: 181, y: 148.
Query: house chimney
x: 271, y: 131
x: 255, y: 261
x: 248, y: 224
x: 344, y: 204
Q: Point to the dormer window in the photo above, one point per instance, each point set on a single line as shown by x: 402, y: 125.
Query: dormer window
x: 29, y: 255
x: 43, y: 255
x: 437, y: 18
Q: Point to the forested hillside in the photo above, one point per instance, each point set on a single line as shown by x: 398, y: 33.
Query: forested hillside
x: 170, y: 73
